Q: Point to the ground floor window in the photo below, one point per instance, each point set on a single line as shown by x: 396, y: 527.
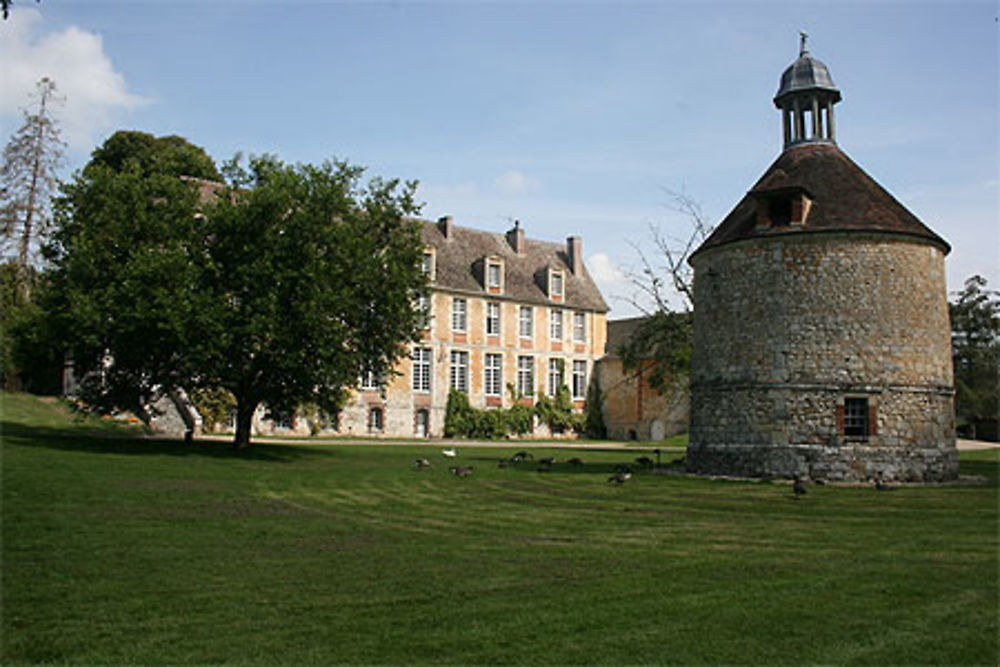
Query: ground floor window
x: 493, y: 374
x: 459, y: 372
x: 856, y: 424
x: 556, y: 367
x: 422, y: 369
x: 579, y: 379
x: 526, y: 376
x: 375, y: 420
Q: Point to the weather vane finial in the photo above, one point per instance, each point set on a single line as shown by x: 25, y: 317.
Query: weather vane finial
x: 803, y: 49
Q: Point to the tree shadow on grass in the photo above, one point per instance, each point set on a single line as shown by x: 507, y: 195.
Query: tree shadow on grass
x: 104, y: 442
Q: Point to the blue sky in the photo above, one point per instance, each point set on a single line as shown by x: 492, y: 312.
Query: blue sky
x: 572, y: 117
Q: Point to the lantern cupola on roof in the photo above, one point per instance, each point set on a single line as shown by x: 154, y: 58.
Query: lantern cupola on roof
x: 806, y: 97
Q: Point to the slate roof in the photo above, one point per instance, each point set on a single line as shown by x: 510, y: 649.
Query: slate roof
x: 803, y: 75
x: 844, y: 198
x: 620, y: 332
x: 459, y: 267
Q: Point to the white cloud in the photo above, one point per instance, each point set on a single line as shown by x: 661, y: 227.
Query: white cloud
x: 515, y: 183
x: 74, y: 58
x: 614, y: 284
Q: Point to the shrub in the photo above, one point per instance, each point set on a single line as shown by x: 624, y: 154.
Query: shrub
x: 461, y: 420
x: 593, y: 424
x: 556, y: 413
x: 215, y: 405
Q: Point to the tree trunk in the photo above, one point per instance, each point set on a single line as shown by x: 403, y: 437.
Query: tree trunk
x: 245, y: 409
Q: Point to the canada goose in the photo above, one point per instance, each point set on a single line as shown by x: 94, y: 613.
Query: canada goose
x: 450, y: 453
x: 644, y: 461
x: 521, y: 455
x: 620, y: 478
x: 882, y: 486
x: 547, y: 461
x: 622, y: 468
x: 575, y: 461
x: 421, y: 463
x: 798, y: 488
x: 460, y: 471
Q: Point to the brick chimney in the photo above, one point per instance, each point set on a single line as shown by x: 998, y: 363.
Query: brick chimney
x: 446, y: 225
x: 574, y: 250
x: 515, y: 237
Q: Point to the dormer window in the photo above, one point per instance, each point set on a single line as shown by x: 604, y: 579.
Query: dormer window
x: 783, y: 208
x: 557, y: 284
x: 428, y: 264
x: 493, y: 278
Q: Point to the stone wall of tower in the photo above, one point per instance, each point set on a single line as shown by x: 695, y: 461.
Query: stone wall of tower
x: 789, y: 327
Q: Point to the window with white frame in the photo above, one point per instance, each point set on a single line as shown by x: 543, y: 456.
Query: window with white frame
x: 556, y: 324
x: 424, y: 310
x: 580, y: 327
x: 556, y: 283
x: 492, y: 318
x: 526, y: 375
x: 494, y: 275
x: 422, y: 369
x: 459, y: 314
x: 526, y: 322
x: 579, y: 379
x: 458, y: 373
x: 370, y: 380
x: 556, y: 367
x: 493, y: 374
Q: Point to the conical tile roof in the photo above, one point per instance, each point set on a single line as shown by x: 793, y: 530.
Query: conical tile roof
x: 843, y: 199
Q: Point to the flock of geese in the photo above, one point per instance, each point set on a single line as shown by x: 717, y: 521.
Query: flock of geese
x: 622, y: 473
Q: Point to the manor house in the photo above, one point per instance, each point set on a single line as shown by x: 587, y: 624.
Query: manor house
x: 503, y: 310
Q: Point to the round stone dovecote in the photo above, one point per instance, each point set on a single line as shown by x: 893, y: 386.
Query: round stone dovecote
x: 822, y: 340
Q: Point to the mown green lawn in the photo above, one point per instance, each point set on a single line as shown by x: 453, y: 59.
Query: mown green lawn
x: 119, y: 550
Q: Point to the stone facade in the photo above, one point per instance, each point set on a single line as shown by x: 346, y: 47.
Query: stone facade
x: 455, y: 347
x: 632, y: 408
x: 822, y: 344
x: 790, y: 327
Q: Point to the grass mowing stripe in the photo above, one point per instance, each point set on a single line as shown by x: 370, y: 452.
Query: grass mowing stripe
x: 123, y: 551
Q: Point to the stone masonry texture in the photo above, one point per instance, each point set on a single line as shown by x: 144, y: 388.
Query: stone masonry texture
x: 789, y: 327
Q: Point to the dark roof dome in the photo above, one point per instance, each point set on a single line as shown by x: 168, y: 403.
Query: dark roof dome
x: 805, y: 74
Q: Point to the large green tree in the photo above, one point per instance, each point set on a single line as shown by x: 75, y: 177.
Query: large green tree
x: 975, y: 325
x: 155, y: 155
x: 278, y: 288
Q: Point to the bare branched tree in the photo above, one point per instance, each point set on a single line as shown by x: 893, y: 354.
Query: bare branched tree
x: 660, y: 347
x: 664, y: 269
x: 28, y: 176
